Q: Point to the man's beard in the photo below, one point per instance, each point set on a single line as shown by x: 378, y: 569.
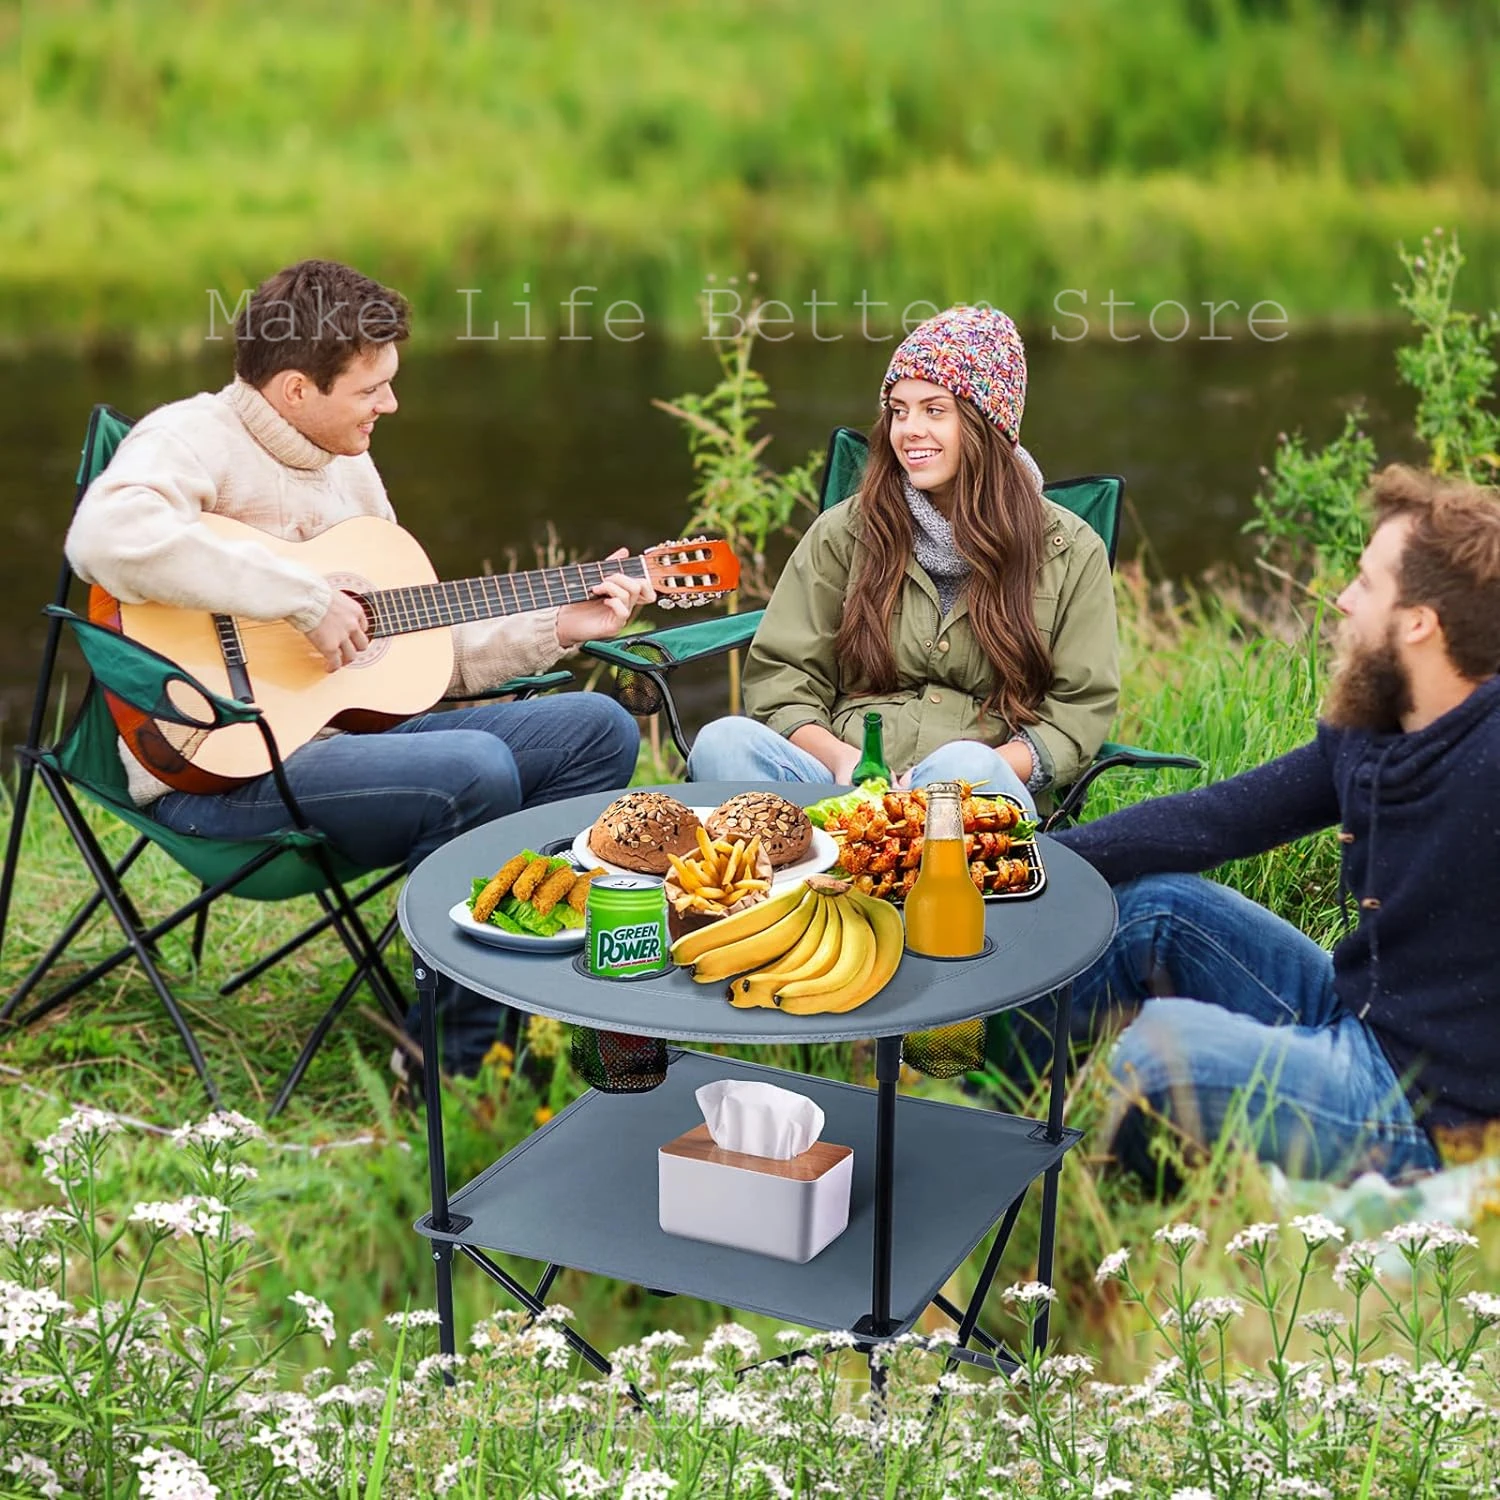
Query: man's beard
x: 1371, y: 688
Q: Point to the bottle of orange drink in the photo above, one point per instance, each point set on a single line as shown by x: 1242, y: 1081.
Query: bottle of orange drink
x: 944, y: 912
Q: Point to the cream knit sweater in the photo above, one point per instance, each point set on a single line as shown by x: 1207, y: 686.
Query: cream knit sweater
x: 231, y: 452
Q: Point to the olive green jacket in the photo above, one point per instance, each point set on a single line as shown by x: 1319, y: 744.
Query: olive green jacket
x: 792, y: 677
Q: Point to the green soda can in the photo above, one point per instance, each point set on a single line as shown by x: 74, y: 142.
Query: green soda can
x: 625, y: 927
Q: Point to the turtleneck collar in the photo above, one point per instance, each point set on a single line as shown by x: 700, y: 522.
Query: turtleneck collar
x: 272, y: 430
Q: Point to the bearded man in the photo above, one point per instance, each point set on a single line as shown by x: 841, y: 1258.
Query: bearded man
x: 1333, y: 1063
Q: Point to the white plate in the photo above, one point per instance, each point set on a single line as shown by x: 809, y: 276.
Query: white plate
x: 822, y: 854
x: 522, y: 942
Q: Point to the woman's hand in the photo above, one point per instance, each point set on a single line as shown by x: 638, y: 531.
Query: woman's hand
x: 616, y: 599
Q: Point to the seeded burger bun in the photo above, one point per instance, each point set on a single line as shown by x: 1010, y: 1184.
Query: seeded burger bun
x: 639, y: 830
x: 782, y: 827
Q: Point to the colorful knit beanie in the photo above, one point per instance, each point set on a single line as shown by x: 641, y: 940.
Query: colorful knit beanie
x: 976, y: 353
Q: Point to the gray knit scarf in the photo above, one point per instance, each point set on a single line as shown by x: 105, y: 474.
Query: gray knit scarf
x: 932, y: 537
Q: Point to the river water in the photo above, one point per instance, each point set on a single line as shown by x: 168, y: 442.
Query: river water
x: 493, y: 443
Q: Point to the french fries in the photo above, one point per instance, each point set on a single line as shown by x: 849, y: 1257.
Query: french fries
x: 720, y: 874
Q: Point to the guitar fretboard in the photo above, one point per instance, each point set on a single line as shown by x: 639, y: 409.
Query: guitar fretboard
x: 425, y: 606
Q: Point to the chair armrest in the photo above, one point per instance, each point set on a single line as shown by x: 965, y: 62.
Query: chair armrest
x: 659, y: 650
x: 516, y: 687
x: 1109, y: 757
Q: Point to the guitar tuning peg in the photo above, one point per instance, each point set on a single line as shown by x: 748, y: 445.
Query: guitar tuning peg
x: 666, y: 603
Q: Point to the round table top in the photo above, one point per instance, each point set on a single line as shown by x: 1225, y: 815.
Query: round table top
x: 1040, y: 944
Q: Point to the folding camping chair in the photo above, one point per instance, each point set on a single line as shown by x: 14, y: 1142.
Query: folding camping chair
x: 85, y: 759
x: 644, y: 663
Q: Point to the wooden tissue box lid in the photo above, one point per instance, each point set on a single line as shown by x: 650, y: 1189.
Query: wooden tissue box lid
x: 698, y: 1145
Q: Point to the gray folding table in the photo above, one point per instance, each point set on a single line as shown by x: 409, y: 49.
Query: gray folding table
x: 581, y: 1192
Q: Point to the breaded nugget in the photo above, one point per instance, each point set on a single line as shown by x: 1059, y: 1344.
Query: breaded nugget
x: 492, y: 895
x: 531, y: 877
x: 579, y: 895
x: 553, y: 889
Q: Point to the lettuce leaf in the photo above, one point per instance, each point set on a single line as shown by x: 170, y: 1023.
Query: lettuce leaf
x: 868, y: 791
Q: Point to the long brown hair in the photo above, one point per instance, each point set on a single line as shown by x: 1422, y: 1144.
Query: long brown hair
x: 998, y: 525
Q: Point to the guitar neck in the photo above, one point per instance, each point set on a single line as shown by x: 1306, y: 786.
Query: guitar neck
x: 426, y: 606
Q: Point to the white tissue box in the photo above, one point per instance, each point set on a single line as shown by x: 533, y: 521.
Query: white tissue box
x: 790, y: 1209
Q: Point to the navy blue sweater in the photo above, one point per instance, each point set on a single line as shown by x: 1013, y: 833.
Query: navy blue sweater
x: 1419, y: 818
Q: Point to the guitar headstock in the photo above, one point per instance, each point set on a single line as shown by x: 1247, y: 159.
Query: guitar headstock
x: 692, y: 571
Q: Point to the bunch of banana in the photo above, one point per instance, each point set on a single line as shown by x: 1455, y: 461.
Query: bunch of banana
x: 811, y: 949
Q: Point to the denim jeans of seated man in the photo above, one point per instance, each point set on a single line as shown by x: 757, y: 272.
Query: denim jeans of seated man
x: 1233, y: 1024
x: 392, y: 798
x: 743, y: 749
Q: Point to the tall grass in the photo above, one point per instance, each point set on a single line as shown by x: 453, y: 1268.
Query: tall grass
x: 1187, y: 149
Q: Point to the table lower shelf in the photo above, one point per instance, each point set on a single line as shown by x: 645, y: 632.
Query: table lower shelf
x: 581, y: 1193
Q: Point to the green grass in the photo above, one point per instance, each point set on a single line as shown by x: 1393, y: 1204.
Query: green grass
x: 347, y: 1175
x: 1184, y: 149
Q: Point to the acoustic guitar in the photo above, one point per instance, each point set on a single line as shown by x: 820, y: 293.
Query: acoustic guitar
x: 405, y: 669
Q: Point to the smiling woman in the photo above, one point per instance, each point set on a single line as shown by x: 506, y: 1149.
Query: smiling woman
x: 949, y: 596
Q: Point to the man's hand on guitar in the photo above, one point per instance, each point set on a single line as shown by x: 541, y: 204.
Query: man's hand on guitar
x: 615, y: 599
x: 340, y: 635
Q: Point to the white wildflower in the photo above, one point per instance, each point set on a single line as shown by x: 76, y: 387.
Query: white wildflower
x: 1483, y: 1307
x: 1180, y: 1236
x: 434, y: 1364
x: 1294, y: 1484
x: 648, y: 1484
x: 421, y: 1317
x: 236, y: 1171
x: 20, y: 1227
x: 1112, y: 1267
x: 1192, y: 1492
x: 1110, y: 1485
x: 317, y: 1315
x: 1445, y: 1391
x: 581, y: 1481
x: 1065, y: 1367
x: 1417, y: 1239
x: 167, y: 1474
x: 1029, y: 1293
x: 1356, y: 1266
x: 1323, y: 1320
x: 24, y: 1312
x: 36, y: 1473
x: 546, y: 1345
x: 76, y: 1136
x: 732, y: 1336
x: 447, y: 1476
x: 359, y: 1338
x: 1317, y: 1230
x: 224, y: 1127
x: 1253, y: 1237
x: 184, y: 1218
x: 666, y: 1338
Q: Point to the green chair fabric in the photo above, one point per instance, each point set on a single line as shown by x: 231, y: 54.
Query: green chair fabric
x: 644, y: 662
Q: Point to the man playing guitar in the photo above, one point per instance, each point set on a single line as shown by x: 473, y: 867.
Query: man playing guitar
x: 285, y: 448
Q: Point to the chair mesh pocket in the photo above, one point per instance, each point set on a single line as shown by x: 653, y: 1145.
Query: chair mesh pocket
x: 947, y: 1051
x: 635, y: 691
x: 615, y: 1062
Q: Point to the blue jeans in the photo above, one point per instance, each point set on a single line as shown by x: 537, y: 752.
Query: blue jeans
x: 392, y: 798
x: 1263, y: 1046
x: 743, y: 749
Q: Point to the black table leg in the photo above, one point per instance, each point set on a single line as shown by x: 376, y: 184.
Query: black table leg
x: 437, y: 1164
x: 1060, y: 1035
x: 879, y: 1324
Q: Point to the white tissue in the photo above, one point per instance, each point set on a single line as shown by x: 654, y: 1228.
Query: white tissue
x: 759, y: 1119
